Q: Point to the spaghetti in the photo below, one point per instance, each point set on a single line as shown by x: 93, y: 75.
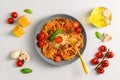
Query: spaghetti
x: 71, y: 41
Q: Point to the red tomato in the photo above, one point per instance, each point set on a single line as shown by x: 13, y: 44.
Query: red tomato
x: 100, y: 70
x: 99, y: 54
x: 10, y: 20
x: 110, y: 54
x: 78, y: 30
x: 105, y: 63
x: 102, y: 48
x: 76, y: 24
x: 58, y: 59
x: 41, y: 44
x: 14, y: 14
x: 59, y: 39
x: 95, y: 61
x: 41, y: 36
x: 20, y: 63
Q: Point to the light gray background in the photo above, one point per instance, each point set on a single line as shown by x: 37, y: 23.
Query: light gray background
x: 41, y: 70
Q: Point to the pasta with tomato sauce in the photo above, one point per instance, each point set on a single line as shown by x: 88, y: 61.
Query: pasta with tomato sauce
x: 61, y: 39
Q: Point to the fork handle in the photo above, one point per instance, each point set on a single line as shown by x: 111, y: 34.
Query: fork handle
x: 83, y: 64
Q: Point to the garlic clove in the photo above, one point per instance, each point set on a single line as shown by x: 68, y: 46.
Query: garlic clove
x: 107, y: 37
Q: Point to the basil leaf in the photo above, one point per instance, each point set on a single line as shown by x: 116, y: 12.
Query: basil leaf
x: 99, y: 35
x: 28, y: 11
x: 26, y: 70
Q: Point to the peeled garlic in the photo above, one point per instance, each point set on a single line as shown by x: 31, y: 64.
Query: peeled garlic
x: 24, y: 56
x: 15, y: 54
x: 107, y: 37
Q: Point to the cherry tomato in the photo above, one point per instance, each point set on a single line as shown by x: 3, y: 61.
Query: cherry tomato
x: 58, y: 59
x: 40, y: 44
x: 100, y: 70
x: 110, y: 54
x: 58, y: 40
x: 10, y: 20
x: 95, y: 61
x: 20, y: 63
x: 99, y: 54
x: 76, y: 24
x: 102, y: 48
x: 105, y: 63
x: 78, y: 30
x: 41, y: 36
x: 14, y: 14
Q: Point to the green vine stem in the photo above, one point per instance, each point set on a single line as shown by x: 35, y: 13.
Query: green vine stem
x: 102, y: 59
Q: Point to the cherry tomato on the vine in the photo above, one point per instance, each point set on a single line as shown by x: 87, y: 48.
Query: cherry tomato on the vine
x: 95, y: 61
x: 110, y: 54
x: 99, y: 54
x: 100, y: 70
x: 105, y: 63
x: 102, y: 48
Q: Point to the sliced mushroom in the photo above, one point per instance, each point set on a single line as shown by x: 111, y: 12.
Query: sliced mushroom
x: 24, y: 56
x: 15, y: 54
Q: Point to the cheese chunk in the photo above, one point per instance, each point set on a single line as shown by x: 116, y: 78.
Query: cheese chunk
x: 18, y: 31
x: 24, y: 21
